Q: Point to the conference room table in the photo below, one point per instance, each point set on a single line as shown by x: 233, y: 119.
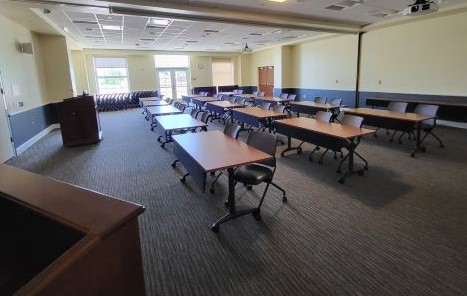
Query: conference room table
x: 272, y: 100
x: 149, y: 103
x: 160, y: 111
x: 254, y: 116
x: 201, y: 101
x: 171, y: 124
x: 195, y: 151
x: 188, y: 98
x: 328, y: 135
x: 310, y: 107
x: 404, y: 122
x: 148, y: 99
x: 222, y: 109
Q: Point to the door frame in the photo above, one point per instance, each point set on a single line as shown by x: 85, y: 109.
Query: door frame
x: 7, y: 115
x: 172, y: 76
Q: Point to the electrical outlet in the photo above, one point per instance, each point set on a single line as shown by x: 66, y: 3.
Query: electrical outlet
x: 337, y: 81
x: 21, y: 104
x: 379, y: 81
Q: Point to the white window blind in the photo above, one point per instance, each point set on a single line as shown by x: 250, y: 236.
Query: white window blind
x: 172, y: 61
x: 111, y: 75
x: 222, y: 71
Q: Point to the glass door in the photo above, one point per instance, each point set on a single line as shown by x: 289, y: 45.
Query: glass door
x: 173, y: 83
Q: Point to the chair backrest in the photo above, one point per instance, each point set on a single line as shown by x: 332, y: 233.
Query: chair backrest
x: 292, y: 97
x: 336, y: 102
x: 255, y: 93
x: 232, y: 129
x: 239, y: 91
x: 232, y: 99
x: 320, y: 100
x: 427, y: 110
x: 205, y: 117
x: 241, y: 101
x: 181, y: 107
x: 397, y: 106
x: 220, y: 97
x: 194, y: 113
x: 323, y: 116
x: 265, y: 142
x: 352, y: 120
x: 260, y: 94
x: 278, y: 108
x: 215, y: 96
x: 265, y: 105
x: 284, y: 95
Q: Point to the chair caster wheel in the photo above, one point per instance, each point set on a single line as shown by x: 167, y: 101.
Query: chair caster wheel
x: 215, y: 227
x: 212, y: 173
x: 335, y: 157
x: 211, y: 190
x: 338, y: 171
x: 159, y: 139
x: 299, y: 150
x: 162, y: 146
x: 284, y: 199
x: 375, y: 135
x: 249, y: 187
x: 227, y: 204
x: 423, y: 149
x: 412, y: 154
x: 361, y: 173
x: 400, y: 142
x: 310, y: 158
x: 320, y: 161
x: 341, y: 181
x: 183, y: 179
x: 257, y: 214
x: 365, y: 168
x: 441, y: 146
x: 173, y: 165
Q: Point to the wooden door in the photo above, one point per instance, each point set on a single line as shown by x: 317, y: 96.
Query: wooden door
x: 266, y: 80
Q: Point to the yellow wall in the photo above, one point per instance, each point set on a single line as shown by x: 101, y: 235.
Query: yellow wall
x: 20, y: 71
x: 260, y: 59
x: 325, y: 64
x: 424, y: 57
x: 56, y: 62
x: 80, y: 71
x: 142, y: 72
x: 201, y: 77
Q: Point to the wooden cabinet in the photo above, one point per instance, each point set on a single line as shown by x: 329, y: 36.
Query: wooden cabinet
x: 58, y: 239
x: 79, y: 121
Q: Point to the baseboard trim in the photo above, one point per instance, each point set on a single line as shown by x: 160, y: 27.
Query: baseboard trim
x: 462, y: 125
x: 26, y: 145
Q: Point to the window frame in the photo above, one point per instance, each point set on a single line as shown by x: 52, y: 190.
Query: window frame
x: 111, y: 57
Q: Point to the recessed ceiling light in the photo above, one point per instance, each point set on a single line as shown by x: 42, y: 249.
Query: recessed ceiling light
x: 65, y: 29
x: 111, y: 28
x: 158, y: 22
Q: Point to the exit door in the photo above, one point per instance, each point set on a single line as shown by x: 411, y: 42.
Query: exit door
x: 6, y: 145
x: 173, y: 83
x: 266, y: 80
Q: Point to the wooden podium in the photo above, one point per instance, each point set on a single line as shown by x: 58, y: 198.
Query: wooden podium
x: 79, y: 121
x: 58, y: 239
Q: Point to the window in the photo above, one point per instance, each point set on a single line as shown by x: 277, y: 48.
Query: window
x: 111, y: 75
x: 173, y: 74
x: 222, y: 71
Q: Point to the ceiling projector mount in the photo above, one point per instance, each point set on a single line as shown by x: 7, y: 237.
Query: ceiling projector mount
x: 247, y: 49
x: 421, y: 7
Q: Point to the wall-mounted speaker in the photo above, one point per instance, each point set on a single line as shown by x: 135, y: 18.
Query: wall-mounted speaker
x: 26, y: 48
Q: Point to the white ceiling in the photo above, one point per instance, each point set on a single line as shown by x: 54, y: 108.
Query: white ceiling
x: 279, y: 23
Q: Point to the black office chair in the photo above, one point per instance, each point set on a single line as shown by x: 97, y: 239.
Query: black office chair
x: 428, y: 125
x: 396, y: 107
x: 265, y: 105
x: 194, y: 113
x: 257, y: 173
x: 264, y: 124
x: 320, y: 100
x: 320, y: 116
x: 232, y: 130
x: 205, y: 117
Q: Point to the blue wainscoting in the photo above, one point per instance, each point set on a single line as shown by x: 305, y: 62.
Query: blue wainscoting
x: 27, y: 124
x: 305, y: 94
x: 248, y: 89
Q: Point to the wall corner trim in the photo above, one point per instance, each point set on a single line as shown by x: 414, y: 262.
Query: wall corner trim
x: 26, y: 145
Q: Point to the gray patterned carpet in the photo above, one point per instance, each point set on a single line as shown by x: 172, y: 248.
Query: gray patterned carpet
x: 399, y: 230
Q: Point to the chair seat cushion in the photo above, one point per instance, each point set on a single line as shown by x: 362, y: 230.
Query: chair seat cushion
x: 253, y: 174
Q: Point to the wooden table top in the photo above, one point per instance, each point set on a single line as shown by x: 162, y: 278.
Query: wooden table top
x: 259, y: 113
x: 326, y: 128
x: 150, y: 99
x: 248, y: 96
x: 315, y: 105
x: 227, y: 93
x: 226, y: 104
x: 190, y: 96
x: 388, y: 114
x: 213, y: 150
x: 154, y: 103
x: 204, y: 99
x: 272, y: 99
x: 179, y: 121
x: 161, y: 110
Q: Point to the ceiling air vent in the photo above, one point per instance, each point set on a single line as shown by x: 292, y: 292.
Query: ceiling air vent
x: 85, y: 22
x: 335, y: 7
x: 348, y: 3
